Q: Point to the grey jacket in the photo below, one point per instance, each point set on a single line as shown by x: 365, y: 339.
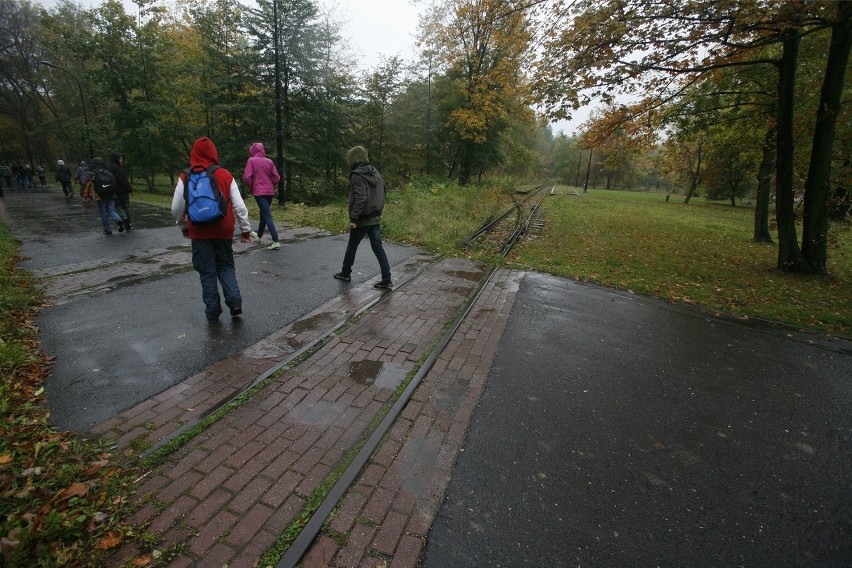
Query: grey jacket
x: 366, y: 195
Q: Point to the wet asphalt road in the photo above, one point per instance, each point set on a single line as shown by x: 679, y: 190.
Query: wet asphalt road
x: 614, y: 430
x: 116, y: 350
x: 621, y: 431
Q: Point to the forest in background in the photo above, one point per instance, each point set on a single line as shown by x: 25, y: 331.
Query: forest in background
x: 732, y: 100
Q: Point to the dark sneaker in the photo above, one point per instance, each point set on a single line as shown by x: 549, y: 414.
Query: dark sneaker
x: 120, y: 226
x: 341, y: 276
x: 385, y: 284
x: 127, y: 226
x: 108, y: 232
x: 236, y: 312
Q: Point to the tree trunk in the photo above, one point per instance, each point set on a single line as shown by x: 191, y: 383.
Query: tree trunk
x: 790, y: 258
x: 764, y: 188
x: 696, y: 177
x: 815, y: 216
x: 465, y: 162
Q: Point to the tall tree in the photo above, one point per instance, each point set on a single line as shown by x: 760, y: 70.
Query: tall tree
x: 633, y: 46
x: 298, y: 61
x: 20, y: 53
x: 483, y: 44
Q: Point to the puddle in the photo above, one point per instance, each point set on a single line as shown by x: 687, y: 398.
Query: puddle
x: 466, y: 274
x: 268, y: 350
x: 313, y: 323
x: 377, y: 373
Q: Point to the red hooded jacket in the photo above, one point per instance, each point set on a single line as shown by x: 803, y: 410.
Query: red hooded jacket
x: 204, y: 155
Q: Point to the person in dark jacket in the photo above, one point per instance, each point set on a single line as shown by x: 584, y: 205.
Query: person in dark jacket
x: 63, y: 176
x: 103, y: 193
x: 123, y: 190
x: 366, y: 201
x: 212, y: 244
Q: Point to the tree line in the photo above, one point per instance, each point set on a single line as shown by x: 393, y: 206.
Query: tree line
x: 148, y: 83
x: 732, y: 98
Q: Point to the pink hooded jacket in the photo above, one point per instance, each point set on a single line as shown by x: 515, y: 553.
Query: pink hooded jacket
x: 261, y: 175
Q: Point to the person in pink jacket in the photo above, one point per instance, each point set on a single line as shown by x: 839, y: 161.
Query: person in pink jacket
x: 261, y: 177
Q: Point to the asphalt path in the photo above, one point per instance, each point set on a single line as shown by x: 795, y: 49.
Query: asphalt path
x: 115, y: 350
x: 616, y: 430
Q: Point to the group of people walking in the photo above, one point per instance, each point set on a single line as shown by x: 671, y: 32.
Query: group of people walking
x: 212, y: 250
x: 24, y: 176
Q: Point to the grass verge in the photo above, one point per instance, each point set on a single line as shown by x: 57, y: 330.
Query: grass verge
x: 62, y: 498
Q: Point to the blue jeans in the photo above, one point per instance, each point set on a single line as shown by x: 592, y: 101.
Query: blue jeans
x: 355, y: 237
x: 106, y: 208
x: 213, y: 259
x: 264, y: 203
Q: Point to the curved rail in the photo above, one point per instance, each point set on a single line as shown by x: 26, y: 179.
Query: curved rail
x: 521, y: 230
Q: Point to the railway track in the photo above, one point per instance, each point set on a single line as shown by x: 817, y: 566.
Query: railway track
x: 504, y: 231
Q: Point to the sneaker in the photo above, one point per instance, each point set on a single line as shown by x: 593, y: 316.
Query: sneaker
x: 108, y: 232
x: 120, y: 226
x: 384, y: 284
x: 341, y: 276
x: 127, y: 226
x: 274, y: 245
x: 254, y: 236
x: 236, y: 312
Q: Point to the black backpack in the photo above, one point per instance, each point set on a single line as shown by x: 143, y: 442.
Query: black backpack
x: 103, y: 183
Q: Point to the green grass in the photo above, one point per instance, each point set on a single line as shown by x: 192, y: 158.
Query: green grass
x: 700, y: 253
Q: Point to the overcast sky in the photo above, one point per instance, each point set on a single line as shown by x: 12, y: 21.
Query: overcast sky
x: 377, y: 28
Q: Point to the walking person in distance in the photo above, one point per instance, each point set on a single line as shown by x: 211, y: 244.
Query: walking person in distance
x: 261, y: 177
x: 63, y: 176
x: 366, y: 201
x: 101, y: 187
x: 123, y: 189
x: 212, y: 237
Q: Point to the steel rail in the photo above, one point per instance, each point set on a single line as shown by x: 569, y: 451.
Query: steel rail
x: 309, y: 532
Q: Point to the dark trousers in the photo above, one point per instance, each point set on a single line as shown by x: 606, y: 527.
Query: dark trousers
x: 213, y: 259
x: 355, y: 237
x: 264, y: 204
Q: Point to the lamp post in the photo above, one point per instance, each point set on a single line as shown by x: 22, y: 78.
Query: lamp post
x: 82, y: 101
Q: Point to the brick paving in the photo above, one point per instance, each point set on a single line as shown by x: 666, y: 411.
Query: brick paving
x: 227, y: 494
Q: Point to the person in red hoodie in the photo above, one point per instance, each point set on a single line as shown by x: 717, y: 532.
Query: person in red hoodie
x: 212, y: 250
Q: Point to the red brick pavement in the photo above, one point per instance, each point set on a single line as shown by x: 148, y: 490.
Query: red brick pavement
x: 228, y: 494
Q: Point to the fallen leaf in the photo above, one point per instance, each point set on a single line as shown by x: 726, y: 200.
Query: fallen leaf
x: 73, y: 490
x: 111, y: 540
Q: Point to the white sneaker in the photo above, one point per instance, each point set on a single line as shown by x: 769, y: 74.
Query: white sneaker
x: 254, y: 236
x: 275, y: 245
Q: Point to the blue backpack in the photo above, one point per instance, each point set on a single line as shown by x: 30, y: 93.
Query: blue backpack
x: 205, y: 204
